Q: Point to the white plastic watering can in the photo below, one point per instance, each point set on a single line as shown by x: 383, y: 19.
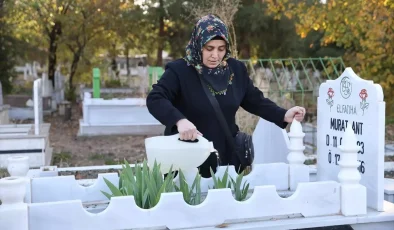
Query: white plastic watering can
x: 171, y: 151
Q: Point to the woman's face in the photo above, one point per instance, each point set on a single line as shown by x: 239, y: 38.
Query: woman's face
x: 213, y: 53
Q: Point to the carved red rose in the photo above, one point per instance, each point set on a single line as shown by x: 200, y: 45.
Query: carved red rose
x: 363, y: 94
x: 330, y: 92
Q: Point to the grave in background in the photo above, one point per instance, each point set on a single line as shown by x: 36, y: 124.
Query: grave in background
x: 4, y: 117
x: 128, y: 116
x: 27, y: 139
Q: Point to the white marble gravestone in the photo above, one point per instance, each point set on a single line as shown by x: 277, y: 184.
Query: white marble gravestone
x: 58, y: 91
x: 350, y: 100
x: 270, y: 142
x: 38, y: 114
x: 4, y: 117
x: 1, y: 94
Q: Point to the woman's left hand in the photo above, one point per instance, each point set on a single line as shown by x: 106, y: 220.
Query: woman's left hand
x: 296, y: 112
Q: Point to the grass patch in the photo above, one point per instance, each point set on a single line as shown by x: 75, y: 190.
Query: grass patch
x: 98, y: 156
x: 111, y: 162
x: 61, y: 158
x: 310, y: 162
x: 4, y: 173
x: 109, y: 159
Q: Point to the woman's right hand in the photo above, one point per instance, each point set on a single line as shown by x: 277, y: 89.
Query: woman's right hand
x: 187, y: 130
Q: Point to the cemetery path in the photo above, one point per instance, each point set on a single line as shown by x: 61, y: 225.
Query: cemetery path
x: 71, y: 151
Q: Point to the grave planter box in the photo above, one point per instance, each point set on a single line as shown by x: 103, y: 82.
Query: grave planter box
x: 67, y: 205
x: 117, y: 116
x: 62, y: 188
x: 61, y: 203
x: 94, y: 186
x: 65, y: 199
x: 48, y: 171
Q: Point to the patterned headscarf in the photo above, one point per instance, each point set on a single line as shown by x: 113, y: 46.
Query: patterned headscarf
x: 207, y: 28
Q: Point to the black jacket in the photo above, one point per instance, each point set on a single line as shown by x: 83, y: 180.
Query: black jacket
x: 179, y: 94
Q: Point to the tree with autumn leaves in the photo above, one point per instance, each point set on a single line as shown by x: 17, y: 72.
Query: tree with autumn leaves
x: 365, y: 29
x: 68, y: 24
x: 75, y: 34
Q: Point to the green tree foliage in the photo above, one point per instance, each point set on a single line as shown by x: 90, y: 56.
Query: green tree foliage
x: 44, y: 18
x: 267, y: 35
x: 86, y: 23
x: 363, y: 28
x: 80, y: 35
x: 178, y: 29
x: 7, y: 53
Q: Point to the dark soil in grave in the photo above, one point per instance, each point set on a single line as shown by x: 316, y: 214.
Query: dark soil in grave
x: 87, y: 174
x: 389, y: 174
x: 390, y: 133
x: 388, y: 158
x: 341, y: 227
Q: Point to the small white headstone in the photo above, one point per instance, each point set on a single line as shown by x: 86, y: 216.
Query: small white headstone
x: 271, y: 143
x: 352, y: 101
x: 1, y: 94
x: 46, y: 85
x: 38, y: 114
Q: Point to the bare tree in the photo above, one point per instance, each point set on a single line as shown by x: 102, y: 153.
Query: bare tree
x: 224, y: 9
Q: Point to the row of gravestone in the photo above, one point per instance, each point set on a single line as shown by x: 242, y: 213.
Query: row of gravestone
x: 348, y: 101
x: 37, y: 98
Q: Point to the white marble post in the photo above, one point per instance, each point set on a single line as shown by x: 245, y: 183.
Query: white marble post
x: 38, y: 114
x: 4, y: 117
x: 143, y: 75
x: 61, y: 86
x: 87, y: 98
x: 13, y: 211
x: 353, y: 194
x: 46, y: 86
x: 298, y: 171
x: 1, y: 94
x: 34, y: 71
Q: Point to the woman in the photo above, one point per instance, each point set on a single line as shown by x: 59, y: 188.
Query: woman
x: 180, y: 103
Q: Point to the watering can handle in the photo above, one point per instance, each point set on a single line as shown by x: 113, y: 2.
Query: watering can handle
x: 190, y: 141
